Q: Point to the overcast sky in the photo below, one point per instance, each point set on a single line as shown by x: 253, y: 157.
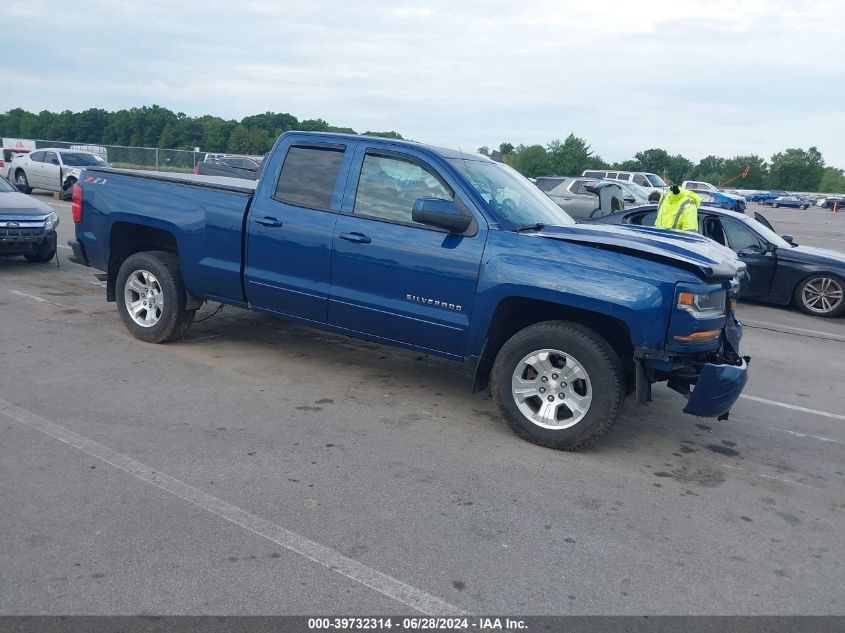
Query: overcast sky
x: 696, y: 78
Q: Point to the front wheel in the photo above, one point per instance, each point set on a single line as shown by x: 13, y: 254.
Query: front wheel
x: 151, y: 297
x: 20, y: 178
x: 821, y: 295
x: 775, y: 205
x: 803, y: 206
x: 558, y: 384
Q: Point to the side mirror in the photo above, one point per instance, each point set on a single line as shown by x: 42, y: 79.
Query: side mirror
x: 443, y: 214
x: 788, y: 238
x: 20, y: 187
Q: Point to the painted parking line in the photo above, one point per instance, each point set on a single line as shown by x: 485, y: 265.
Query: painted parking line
x: 789, y: 329
x: 794, y: 407
x: 335, y: 561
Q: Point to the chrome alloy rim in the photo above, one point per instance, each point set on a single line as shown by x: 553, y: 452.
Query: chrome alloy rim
x: 551, y: 389
x: 822, y: 295
x: 143, y: 298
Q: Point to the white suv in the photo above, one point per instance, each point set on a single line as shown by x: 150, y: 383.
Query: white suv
x: 650, y: 182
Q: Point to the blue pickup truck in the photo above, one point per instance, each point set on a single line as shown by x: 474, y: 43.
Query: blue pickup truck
x: 434, y: 250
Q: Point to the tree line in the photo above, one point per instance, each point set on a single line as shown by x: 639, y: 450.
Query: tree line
x: 793, y: 169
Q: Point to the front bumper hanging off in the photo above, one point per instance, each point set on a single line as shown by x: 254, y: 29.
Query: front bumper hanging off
x: 717, y: 388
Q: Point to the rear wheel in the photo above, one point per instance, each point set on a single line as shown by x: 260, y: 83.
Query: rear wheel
x: 151, y: 297
x: 558, y: 384
x: 821, y: 295
x: 20, y: 178
x: 803, y: 206
x: 775, y: 205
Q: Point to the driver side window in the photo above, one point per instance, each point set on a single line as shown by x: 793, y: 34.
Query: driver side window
x: 741, y: 238
x: 389, y: 186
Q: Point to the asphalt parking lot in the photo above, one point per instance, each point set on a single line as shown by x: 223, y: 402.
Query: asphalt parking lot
x: 260, y: 467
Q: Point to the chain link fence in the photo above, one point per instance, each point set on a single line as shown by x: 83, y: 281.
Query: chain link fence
x: 127, y: 157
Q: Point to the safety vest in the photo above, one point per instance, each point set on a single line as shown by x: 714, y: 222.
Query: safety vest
x: 678, y: 212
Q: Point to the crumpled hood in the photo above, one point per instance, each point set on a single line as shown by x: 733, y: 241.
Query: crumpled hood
x: 703, y: 256
x: 17, y: 204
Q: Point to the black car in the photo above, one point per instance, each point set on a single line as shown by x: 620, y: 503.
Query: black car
x: 780, y: 271
x: 246, y: 167
x: 27, y: 225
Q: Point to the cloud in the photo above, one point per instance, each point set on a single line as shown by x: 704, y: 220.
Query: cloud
x: 696, y: 78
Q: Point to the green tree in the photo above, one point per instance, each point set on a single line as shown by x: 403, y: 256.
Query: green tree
x: 832, y: 181
x: 679, y: 169
x: 758, y: 172
x: 505, y: 149
x: 238, y: 141
x: 710, y: 169
x: 390, y: 134
x: 797, y: 170
x: 654, y: 160
x: 572, y: 157
x: 530, y: 161
x: 483, y: 150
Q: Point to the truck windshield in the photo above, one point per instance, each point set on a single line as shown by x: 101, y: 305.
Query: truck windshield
x: 510, y: 195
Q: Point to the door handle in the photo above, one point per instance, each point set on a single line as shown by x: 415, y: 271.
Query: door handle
x: 357, y: 238
x: 268, y: 221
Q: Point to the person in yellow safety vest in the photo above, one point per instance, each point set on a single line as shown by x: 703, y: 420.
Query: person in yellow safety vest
x: 678, y: 210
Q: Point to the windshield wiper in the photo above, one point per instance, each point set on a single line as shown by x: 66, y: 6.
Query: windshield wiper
x: 528, y: 227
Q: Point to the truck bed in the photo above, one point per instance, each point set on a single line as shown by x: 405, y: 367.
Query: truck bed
x: 205, y: 213
x: 237, y: 185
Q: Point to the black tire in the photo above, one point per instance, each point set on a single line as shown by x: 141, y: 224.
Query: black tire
x: 775, y: 205
x: 175, y: 319
x: 44, y: 254
x: 803, y: 206
x: 798, y: 295
x: 601, y: 363
x: 20, y: 177
x: 67, y: 191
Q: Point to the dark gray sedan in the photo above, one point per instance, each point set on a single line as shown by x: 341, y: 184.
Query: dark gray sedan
x: 780, y: 271
x: 27, y: 225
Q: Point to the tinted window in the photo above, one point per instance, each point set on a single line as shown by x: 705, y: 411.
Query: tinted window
x: 739, y: 237
x: 624, y: 177
x: 612, y: 174
x: 388, y: 188
x: 645, y: 220
x: 49, y: 157
x: 656, y: 181
x: 81, y: 159
x: 308, y: 177
x: 595, y: 174
x: 37, y: 157
x: 580, y: 189
x: 547, y: 184
x: 641, y: 180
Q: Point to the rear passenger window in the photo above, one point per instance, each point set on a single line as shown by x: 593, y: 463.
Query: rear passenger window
x: 389, y: 186
x: 308, y: 177
x: 641, y: 180
x: 37, y: 157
